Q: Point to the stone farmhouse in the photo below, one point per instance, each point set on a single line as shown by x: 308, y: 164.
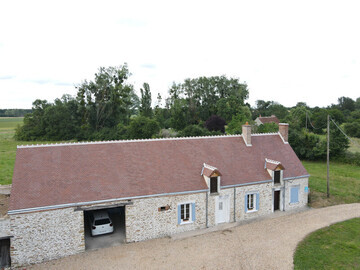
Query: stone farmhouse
x: 266, y: 119
x: 160, y: 187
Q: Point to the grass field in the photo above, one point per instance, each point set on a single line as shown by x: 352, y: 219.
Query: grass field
x: 333, y: 247
x: 8, y: 147
x: 344, y: 183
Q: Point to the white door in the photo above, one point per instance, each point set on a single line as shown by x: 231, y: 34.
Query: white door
x: 222, y: 209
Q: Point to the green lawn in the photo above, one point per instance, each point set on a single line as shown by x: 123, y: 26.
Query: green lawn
x: 344, y: 183
x: 8, y: 147
x: 333, y: 247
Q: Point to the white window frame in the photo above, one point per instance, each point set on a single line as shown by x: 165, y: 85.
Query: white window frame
x: 253, y: 194
x: 182, y: 222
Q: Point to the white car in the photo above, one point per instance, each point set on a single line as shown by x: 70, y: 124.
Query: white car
x: 100, y: 223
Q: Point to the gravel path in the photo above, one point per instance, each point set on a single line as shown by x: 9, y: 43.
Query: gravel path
x: 264, y: 244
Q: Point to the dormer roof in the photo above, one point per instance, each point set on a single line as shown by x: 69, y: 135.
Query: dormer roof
x: 273, y: 165
x: 210, y: 171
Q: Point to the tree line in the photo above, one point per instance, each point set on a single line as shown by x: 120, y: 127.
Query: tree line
x: 14, y: 112
x: 108, y: 108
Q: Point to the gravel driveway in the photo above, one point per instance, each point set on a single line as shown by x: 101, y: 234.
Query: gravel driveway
x: 263, y: 244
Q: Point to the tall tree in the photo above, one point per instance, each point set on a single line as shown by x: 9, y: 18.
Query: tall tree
x: 145, y: 102
x: 107, y: 100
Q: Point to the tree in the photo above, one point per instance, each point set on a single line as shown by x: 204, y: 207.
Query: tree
x: 346, y: 103
x: 235, y: 125
x: 215, y: 123
x: 145, y: 102
x: 107, y: 100
x: 352, y: 129
x: 142, y: 127
x: 34, y: 126
x: 267, y: 128
x: 193, y: 130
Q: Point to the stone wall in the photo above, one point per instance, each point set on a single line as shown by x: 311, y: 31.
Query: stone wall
x: 46, y: 235
x: 303, y: 195
x: 5, y: 226
x: 145, y: 221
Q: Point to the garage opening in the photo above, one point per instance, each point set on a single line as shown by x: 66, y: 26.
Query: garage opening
x: 104, y: 227
x: 5, y: 253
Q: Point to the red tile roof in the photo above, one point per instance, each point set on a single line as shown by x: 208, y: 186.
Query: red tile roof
x: 53, y: 175
x: 269, y: 119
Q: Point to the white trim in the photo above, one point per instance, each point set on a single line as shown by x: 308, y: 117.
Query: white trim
x: 190, y: 211
x: 282, y: 138
x: 128, y: 141
x: 297, y: 177
x: 254, y: 202
x: 272, y: 161
x: 209, y: 167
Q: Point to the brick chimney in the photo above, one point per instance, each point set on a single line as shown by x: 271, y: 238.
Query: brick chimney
x: 246, y: 133
x: 284, y: 131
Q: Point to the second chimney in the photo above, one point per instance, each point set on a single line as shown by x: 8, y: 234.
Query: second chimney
x: 246, y: 133
x: 284, y: 131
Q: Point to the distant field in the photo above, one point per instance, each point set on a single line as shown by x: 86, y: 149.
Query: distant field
x: 344, y: 183
x: 8, y: 147
x: 333, y: 247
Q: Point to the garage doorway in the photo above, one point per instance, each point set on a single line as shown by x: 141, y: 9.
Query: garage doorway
x: 5, y: 253
x: 117, y: 216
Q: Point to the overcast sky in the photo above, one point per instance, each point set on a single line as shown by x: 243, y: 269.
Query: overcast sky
x: 286, y: 51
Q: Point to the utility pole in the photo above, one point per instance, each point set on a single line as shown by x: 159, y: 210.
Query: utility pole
x: 328, y: 155
x: 306, y: 122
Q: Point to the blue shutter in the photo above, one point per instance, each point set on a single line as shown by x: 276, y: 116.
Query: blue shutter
x: 257, y: 201
x: 193, y: 211
x: 294, y: 198
x: 246, y: 198
x: 179, y: 213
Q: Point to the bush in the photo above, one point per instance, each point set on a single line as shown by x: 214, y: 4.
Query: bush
x: 193, y: 130
x: 142, y: 127
x: 215, y: 123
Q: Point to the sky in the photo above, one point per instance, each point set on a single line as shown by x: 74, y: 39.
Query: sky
x: 286, y: 51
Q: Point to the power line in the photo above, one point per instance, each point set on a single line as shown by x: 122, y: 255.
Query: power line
x: 343, y: 132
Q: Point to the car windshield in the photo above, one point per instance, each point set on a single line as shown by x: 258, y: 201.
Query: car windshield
x: 102, y: 221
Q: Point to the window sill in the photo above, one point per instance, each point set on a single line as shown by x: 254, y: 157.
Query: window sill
x: 214, y: 194
x: 252, y: 211
x: 186, y: 222
x: 292, y: 203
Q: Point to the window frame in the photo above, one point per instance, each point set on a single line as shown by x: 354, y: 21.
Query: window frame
x: 217, y: 184
x: 190, y: 219
x: 254, y: 202
x: 279, y: 174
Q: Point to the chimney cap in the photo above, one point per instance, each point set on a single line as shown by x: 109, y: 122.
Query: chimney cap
x: 283, y: 124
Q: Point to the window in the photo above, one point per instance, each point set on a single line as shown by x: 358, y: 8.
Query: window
x: 186, y: 213
x: 252, y: 202
x: 294, y: 194
x: 276, y: 177
x: 213, y: 185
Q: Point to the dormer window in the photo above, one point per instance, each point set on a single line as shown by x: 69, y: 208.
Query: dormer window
x: 214, y: 184
x: 274, y: 169
x: 212, y: 178
x: 276, y: 177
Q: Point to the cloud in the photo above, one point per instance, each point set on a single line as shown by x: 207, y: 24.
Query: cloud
x: 7, y: 77
x: 149, y: 66
x: 131, y: 22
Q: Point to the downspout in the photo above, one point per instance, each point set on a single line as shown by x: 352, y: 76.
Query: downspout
x: 284, y: 195
x: 234, y: 204
x: 206, y: 210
